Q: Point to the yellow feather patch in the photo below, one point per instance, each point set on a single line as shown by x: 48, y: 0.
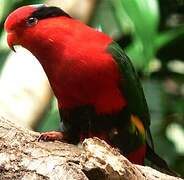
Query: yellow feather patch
x: 138, y: 123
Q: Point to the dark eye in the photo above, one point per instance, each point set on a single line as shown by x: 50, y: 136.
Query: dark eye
x: 32, y: 21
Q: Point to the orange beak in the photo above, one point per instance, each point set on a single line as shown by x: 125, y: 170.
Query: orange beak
x: 11, y: 39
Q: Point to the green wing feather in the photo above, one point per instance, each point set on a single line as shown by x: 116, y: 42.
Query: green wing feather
x: 133, y: 92
x: 131, y: 87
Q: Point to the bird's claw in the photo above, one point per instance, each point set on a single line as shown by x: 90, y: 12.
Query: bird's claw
x: 51, y: 136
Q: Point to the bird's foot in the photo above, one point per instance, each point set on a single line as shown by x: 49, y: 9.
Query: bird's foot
x: 51, y: 136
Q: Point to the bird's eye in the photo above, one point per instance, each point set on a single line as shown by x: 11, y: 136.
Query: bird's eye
x: 31, y: 21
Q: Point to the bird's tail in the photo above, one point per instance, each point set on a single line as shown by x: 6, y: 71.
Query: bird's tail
x: 159, y: 162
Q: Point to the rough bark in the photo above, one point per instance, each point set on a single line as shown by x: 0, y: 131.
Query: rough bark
x: 23, y: 157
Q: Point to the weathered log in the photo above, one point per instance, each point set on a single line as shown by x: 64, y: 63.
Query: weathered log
x: 23, y: 157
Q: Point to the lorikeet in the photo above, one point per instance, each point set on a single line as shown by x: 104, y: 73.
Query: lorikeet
x: 97, y: 88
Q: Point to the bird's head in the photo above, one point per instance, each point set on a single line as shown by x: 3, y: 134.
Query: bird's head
x: 24, y: 20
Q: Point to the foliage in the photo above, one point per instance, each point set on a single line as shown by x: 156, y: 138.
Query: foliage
x: 140, y: 20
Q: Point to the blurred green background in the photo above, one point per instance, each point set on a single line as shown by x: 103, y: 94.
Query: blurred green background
x: 152, y: 34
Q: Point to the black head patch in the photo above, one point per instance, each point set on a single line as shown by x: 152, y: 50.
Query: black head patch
x: 44, y: 12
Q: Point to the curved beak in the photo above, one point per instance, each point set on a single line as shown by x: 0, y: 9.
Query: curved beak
x: 11, y: 39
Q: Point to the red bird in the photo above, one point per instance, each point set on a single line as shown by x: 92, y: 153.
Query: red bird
x: 96, y: 86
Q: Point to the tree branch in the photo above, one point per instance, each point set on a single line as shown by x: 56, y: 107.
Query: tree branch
x: 23, y: 157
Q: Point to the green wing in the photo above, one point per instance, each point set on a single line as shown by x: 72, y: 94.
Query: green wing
x: 131, y: 87
x: 133, y: 92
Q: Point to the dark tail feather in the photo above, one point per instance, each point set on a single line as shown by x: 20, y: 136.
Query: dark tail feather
x: 159, y: 162
x: 150, y: 139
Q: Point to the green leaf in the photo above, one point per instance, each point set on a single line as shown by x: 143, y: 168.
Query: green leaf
x: 104, y: 16
x: 122, y: 17
x: 5, y: 7
x: 168, y: 36
x: 144, y: 15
